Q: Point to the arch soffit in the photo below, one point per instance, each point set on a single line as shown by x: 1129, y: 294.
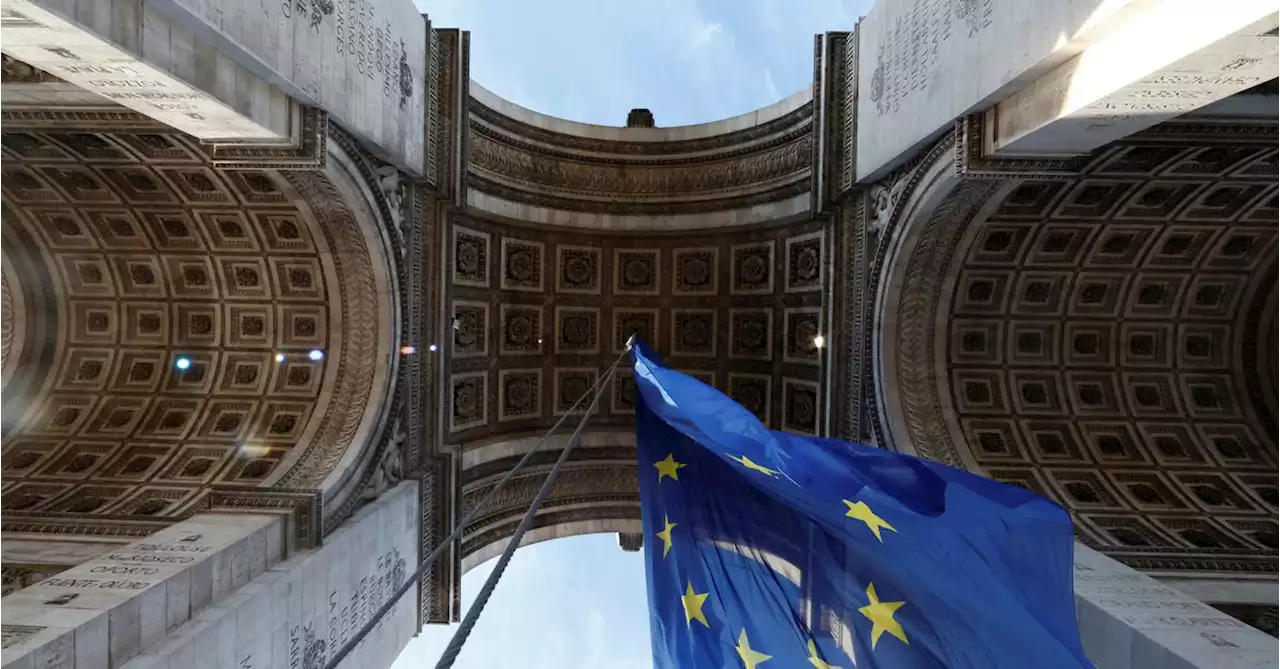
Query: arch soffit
x: 347, y: 190
x: 919, y: 200
x: 597, y: 483
x: 558, y: 526
x: 752, y: 168
x: 1203, y: 177
x: 355, y: 276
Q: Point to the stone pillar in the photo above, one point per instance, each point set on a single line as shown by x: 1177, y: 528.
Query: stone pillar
x: 103, y: 612
x: 1129, y: 620
x: 132, y: 54
x: 298, y: 612
x: 1154, y: 62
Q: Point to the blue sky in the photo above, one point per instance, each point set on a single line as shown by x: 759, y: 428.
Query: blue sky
x: 579, y: 602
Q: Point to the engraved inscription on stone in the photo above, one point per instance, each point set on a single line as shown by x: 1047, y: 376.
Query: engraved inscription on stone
x: 361, y: 35
x: 908, y: 54
x: 347, y: 614
x: 12, y: 635
x: 113, y: 584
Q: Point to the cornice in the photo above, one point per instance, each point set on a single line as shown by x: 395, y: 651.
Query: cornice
x: 573, y: 143
x: 526, y: 164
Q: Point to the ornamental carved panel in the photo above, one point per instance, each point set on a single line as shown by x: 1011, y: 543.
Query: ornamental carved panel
x: 717, y: 306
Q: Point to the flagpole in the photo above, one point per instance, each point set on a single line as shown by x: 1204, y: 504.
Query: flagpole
x: 473, y: 614
x: 435, y: 554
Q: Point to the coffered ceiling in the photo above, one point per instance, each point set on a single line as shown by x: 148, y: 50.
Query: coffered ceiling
x: 171, y: 326
x: 1098, y: 338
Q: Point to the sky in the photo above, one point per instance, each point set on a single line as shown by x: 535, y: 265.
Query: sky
x: 579, y: 602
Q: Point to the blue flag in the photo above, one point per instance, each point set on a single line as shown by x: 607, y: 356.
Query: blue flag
x: 773, y: 551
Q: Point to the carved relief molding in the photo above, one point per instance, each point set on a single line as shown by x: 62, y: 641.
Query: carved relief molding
x: 523, y: 163
x: 835, y: 85
x: 448, y: 76
x: 972, y: 160
x: 877, y: 216
x: 915, y: 352
x: 307, y: 152
x: 396, y: 448
x: 353, y: 386
x: 555, y: 514
x: 9, y: 332
x: 436, y: 585
x: 14, y: 71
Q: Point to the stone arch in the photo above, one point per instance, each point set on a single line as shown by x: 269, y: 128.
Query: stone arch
x: 596, y: 491
x: 701, y: 239
x: 748, y: 169
x: 131, y: 248
x: 555, y: 526
x: 1089, y: 334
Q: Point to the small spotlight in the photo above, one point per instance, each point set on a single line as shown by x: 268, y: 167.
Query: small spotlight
x: 819, y: 341
x: 408, y: 350
x: 433, y: 348
x: 279, y: 357
x: 183, y: 363
x: 316, y: 354
x: 249, y: 451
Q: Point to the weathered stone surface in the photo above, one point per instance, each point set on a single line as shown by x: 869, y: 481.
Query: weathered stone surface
x: 113, y: 607
x: 297, y: 613
x: 361, y: 60
x: 1128, y: 619
x: 133, y: 54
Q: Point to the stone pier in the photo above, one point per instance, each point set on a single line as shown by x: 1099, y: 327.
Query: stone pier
x: 1129, y: 620
x: 104, y: 612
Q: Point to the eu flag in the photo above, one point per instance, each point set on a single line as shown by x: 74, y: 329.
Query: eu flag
x: 769, y: 550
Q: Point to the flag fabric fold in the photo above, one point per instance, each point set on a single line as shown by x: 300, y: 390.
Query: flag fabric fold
x: 771, y: 550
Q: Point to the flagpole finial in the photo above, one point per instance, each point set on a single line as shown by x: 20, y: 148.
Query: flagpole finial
x: 630, y: 341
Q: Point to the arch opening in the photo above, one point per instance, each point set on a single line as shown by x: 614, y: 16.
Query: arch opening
x: 1092, y: 337
x: 183, y: 330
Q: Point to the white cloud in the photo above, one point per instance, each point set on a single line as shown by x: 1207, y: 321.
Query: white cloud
x: 702, y: 35
x: 770, y: 86
x: 690, y: 61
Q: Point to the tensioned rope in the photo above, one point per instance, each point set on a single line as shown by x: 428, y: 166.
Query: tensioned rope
x: 435, y: 554
x: 477, y: 607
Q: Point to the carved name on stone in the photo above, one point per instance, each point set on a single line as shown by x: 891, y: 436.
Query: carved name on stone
x: 363, y: 61
x: 62, y: 47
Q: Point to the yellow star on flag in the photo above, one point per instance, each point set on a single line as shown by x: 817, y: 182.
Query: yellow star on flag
x: 816, y: 660
x: 665, y: 535
x: 861, y: 511
x: 881, y: 616
x: 692, y: 602
x: 749, y: 464
x: 751, y: 658
x: 668, y: 467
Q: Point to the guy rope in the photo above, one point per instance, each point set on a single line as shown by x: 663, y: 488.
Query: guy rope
x: 473, y: 614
